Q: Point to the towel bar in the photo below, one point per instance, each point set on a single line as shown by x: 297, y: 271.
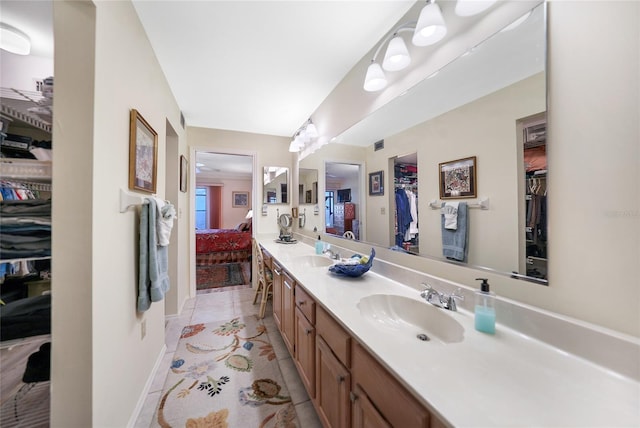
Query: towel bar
x: 482, y: 204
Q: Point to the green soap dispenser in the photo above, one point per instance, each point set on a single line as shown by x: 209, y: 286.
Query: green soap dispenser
x: 319, y: 246
x: 485, y: 313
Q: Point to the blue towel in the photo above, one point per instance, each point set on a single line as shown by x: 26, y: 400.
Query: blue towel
x: 454, y: 242
x: 153, y: 280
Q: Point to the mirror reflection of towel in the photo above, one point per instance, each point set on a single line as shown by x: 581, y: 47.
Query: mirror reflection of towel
x: 454, y: 242
x: 450, y: 211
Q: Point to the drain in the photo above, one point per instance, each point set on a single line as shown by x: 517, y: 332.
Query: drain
x: 423, y: 337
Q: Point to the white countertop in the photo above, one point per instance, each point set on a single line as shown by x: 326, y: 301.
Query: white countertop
x: 506, y: 379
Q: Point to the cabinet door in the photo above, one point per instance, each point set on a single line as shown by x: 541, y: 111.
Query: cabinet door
x: 365, y: 415
x: 277, y: 294
x: 333, y: 383
x: 305, y: 354
x: 386, y: 394
x: 287, y: 320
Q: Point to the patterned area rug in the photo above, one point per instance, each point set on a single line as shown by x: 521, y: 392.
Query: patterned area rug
x: 221, y: 275
x: 225, y: 374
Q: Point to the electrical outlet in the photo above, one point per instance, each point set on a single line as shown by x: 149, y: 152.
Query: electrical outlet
x: 383, y: 211
x: 143, y: 328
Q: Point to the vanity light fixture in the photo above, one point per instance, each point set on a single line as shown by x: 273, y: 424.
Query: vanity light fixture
x: 305, y: 135
x: 429, y: 29
x: 13, y: 40
x: 472, y: 7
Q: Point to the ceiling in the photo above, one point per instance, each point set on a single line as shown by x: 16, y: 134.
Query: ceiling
x: 261, y: 66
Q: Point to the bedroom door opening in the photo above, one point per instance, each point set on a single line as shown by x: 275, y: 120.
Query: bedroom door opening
x: 223, y: 221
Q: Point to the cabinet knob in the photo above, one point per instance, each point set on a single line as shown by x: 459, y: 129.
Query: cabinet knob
x: 340, y: 378
x: 353, y: 397
x: 308, y: 331
x: 301, y: 302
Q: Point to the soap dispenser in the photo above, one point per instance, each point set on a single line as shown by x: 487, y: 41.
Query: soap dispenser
x: 485, y: 313
x: 319, y: 246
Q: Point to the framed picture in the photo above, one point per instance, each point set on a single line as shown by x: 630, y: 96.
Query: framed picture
x: 458, y: 178
x: 240, y: 199
x: 376, y: 188
x: 184, y: 173
x: 143, y: 154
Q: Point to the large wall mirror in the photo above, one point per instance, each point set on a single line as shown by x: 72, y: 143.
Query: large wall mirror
x: 275, y: 189
x: 487, y: 101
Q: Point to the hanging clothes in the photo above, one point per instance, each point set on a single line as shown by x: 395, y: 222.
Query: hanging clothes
x: 403, y: 215
x: 412, y: 231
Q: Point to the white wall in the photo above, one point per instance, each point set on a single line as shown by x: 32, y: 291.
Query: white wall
x: 100, y: 362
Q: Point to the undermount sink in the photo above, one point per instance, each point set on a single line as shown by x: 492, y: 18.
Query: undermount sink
x: 313, y: 261
x: 413, y: 317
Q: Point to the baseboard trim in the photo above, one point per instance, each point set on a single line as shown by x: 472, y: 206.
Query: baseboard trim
x: 147, y: 387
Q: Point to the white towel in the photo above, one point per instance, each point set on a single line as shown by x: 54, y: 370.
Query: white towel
x: 164, y: 221
x: 450, y: 211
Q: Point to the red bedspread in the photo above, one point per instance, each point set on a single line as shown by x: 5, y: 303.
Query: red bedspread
x: 216, y: 240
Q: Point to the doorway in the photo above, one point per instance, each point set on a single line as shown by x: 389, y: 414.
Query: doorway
x: 223, y: 221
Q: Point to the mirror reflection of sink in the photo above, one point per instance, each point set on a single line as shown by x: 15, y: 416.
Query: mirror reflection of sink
x: 313, y: 261
x: 413, y: 317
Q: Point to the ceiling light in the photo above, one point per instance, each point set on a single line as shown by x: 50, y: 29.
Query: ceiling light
x: 375, y: 79
x: 397, y: 56
x: 431, y: 27
x: 311, y: 130
x: 13, y: 40
x: 472, y: 7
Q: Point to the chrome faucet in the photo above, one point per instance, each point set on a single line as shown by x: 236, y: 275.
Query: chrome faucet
x: 332, y: 254
x: 445, y: 301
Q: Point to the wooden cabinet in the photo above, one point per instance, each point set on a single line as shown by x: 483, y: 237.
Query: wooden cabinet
x: 347, y: 385
x: 392, y: 401
x: 305, y: 339
x: 305, y: 350
x: 288, y: 316
x: 333, y: 384
x: 365, y: 415
x: 277, y: 293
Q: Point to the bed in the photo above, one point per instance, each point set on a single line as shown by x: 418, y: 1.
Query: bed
x: 215, y: 246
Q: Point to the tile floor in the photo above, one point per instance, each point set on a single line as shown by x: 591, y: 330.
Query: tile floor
x: 213, y: 306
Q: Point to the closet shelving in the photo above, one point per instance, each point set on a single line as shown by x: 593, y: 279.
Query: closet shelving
x: 25, y: 280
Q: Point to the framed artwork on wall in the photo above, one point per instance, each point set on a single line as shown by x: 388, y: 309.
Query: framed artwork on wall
x: 458, y: 178
x: 240, y: 199
x: 184, y: 173
x: 376, y: 187
x: 143, y: 154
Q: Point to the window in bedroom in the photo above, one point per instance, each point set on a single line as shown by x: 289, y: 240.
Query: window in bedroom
x: 201, y: 208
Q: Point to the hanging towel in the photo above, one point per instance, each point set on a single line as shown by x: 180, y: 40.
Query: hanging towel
x: 153, y: 281
x: 166, y: 215
x: 454, y: 242
x: 450, y: 211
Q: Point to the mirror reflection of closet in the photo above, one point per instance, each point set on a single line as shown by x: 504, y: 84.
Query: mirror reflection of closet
x: 533, y: 215
x: 405, y: 202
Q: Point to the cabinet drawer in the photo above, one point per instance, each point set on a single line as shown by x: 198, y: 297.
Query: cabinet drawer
x: 336, y: 337
x: 306, y: 304
x: 393, y: 401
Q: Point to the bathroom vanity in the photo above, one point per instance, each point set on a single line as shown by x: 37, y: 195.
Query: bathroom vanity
x: 359, y: 346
